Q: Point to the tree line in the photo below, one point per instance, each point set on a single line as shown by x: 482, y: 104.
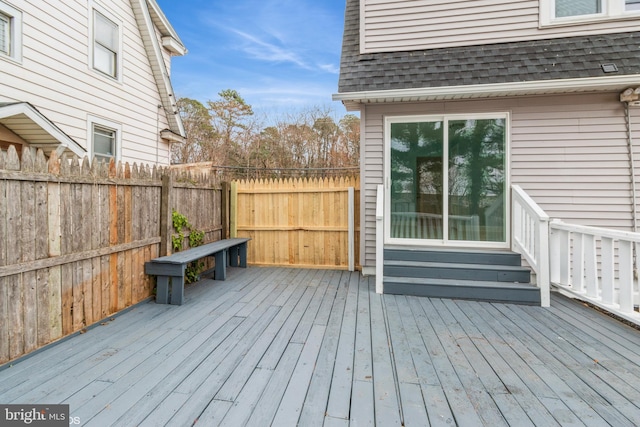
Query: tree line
x: 227, y: 133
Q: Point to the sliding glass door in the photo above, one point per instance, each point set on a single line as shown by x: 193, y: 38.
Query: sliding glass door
x: 446, y: 180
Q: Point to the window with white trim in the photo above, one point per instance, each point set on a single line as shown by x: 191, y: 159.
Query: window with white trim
x: 105, y: 137
x: 632, y: 5
x: 558, y: 12
x: 564, y: 8
x: 106, y: 45
x: 10, y: 32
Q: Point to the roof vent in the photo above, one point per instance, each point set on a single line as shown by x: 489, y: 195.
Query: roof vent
x: 609, y: 68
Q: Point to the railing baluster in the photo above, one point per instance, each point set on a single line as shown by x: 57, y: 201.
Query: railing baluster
x: 608, y: 271
x: 591, y: 265
x: 625, y: 261
x: 565, y: 257
x: 577, y: 267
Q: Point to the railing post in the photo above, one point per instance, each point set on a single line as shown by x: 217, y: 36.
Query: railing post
x: 351, y: 237
x: 379, y: 239
x: 542, y: 246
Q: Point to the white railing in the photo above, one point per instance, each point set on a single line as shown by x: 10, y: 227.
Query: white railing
x: 530, y: 238
x: 596, y: 265
x: 418, y: 225
x: 379, y: 238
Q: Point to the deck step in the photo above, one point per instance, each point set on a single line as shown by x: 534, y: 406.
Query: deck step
x: 484, y: 275
x: 505, y: 292
x: 467, y: 256
x: 460, y: 271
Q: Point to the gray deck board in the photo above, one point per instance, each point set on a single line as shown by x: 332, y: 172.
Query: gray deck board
x: 276, y: 346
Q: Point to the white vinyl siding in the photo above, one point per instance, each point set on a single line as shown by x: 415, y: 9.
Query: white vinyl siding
x: 10, y: 32
x: 567, y: 152
x: 388, y: 26
x: 61, y: 83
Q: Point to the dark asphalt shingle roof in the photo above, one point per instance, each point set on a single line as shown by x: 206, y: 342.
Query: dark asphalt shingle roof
x: 563, y: 58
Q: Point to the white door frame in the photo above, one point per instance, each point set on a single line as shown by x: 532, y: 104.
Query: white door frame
x: 445, y: 242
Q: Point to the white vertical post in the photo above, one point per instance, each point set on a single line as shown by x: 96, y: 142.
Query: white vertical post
x: 577, y: 272
x: 591, y: 265
x: 351, y: 238
x: 608, y: 271
x: 565, y: 257
x: 625, y: 259
x: 379, y: 239
x: 542, y: 254
x: 554, y: 254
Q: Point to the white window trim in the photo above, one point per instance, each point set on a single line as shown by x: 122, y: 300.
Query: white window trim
x: 611, y: 10
x: 15, y: 35
x: 93, y: 120
x: 93, y: 6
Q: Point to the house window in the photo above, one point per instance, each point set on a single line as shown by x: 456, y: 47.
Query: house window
x: 566, y: 8
x: 105, y: 137
x: 106, y: 45
x: 10, y: 32
x: 5, y: 34
x: 568, y: 12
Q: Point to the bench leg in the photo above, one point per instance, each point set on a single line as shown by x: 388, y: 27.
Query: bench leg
x: 233, y: 256
x: 221, y: 265
x: 242, y: 252
x: 162, y: 290
x: 177, y: 290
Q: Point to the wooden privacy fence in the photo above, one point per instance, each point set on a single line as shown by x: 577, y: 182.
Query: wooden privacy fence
x: 74, y: 238
x: 298, y: 222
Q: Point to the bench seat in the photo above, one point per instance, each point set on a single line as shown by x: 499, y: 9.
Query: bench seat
x: 172, y: 267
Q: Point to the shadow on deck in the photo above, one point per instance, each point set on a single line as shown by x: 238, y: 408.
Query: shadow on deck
x: 315, y: 347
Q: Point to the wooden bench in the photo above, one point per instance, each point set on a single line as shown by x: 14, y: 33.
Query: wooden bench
x: 227, y: 252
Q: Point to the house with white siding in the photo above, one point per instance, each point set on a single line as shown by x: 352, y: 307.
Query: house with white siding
x: 462, y: 100
x: 89, y: 77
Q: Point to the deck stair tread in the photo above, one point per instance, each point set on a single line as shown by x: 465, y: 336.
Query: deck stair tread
x: 460, y: 283
x: 453, y: 265
x: 476, y: 274
x: 472, y: 256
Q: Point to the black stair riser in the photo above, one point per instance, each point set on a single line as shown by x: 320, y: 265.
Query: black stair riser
x: 514, y: 296
x: 486, y: 258
x: 498, y: 275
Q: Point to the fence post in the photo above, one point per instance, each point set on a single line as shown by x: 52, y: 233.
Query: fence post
x: 233, y: 210
x: 165, y: 215
x: 224, y: 201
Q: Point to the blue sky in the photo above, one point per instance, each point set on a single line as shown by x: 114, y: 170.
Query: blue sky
x: 282, y: 56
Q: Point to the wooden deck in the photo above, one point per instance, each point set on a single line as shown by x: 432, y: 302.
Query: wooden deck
x: 281, y: 347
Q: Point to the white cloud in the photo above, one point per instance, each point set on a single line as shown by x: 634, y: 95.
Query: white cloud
x: 264, y: 51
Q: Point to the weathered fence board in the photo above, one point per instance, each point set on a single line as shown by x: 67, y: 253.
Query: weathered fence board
x: 74, y: 238
x: 297, y: 222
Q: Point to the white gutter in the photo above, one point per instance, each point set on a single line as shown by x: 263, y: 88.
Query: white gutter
x: 590, y: 84
x: 160, y: 73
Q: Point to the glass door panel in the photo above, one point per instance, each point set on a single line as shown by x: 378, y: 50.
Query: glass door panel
x: 476, y: 175
x: 416, y: 193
